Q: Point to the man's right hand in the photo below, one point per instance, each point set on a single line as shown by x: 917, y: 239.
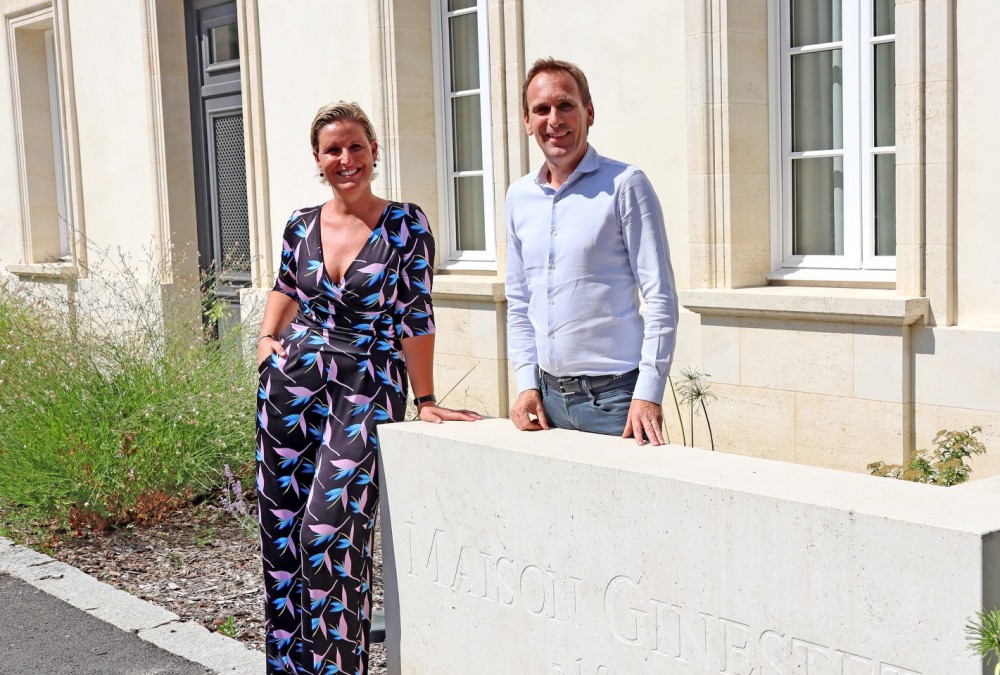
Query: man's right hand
x: 528, y: 403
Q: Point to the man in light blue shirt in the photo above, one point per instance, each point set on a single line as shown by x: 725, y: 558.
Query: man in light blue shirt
x: 585, y: 236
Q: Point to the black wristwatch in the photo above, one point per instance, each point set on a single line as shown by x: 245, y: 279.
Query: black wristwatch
x: 420, y: 400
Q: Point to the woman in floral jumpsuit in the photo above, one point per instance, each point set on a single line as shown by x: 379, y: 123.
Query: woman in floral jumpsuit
x: 348, y: 322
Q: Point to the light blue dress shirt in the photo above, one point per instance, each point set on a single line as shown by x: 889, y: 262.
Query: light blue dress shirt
x: 577, y: 259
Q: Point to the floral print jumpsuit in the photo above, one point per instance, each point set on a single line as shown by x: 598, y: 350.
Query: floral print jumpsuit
x: 317, y: 409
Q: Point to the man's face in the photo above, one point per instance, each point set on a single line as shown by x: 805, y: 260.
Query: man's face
x: 558, y: 118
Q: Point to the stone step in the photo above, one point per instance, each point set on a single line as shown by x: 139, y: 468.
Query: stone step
x: 378, y: 626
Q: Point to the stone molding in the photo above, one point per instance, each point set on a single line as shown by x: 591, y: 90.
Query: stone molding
x: 58, y: 271
x: 925, y: 142
x: 809, y: 304
x: 258, y: 194
x: 469, y: 287
x: 728, y: 149
x: 507, y: 71
x: 174, y: 221
x: 160, y: 208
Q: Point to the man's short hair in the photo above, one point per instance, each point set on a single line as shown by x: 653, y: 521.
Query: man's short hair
x: 551, y: 65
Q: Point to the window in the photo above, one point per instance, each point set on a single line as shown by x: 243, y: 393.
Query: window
x: 837, y: 140
x: 465, y: 147
x: 40, y: 150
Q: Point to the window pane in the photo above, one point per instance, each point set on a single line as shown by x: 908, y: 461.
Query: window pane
x: 815, y: 22
x: 885, y: 94
x: 818, y: 206
x: 471, y: 217
x: 460, y: 4
x: 885, y: 204
x: 817, y: 101
x: 464, y: 32
x: 885, y: 17
x: 224, y: 43
x: 468, y: 135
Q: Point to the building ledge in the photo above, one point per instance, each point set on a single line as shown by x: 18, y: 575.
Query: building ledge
x: 477, y: 288
x: 852, y: 305
x: 54, y: 271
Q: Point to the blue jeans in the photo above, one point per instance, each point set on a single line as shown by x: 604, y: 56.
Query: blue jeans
x: 603, y: 410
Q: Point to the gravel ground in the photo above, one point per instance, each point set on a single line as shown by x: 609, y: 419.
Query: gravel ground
x: 199, y: 563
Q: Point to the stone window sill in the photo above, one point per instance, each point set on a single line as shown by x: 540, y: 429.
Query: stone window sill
x: 851, y: 305
x: 55, y: 271
x: 469, y: 287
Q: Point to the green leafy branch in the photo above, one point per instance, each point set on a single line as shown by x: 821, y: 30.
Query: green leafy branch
x: 945, y: 465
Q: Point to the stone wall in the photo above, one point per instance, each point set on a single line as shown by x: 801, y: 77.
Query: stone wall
x: 561, y: 552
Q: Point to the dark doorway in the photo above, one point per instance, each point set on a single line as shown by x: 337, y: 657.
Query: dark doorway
x: 219, y: 151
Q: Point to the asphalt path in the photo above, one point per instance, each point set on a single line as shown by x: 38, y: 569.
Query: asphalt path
x: 42, y: 634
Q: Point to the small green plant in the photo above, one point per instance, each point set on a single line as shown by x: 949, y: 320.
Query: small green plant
x: 983, y: 634
x: 228, y: 627
x: 695, y: 392
x: 204, y: 537
x: 944, y: 465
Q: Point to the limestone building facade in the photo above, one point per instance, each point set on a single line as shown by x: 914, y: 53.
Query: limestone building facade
x: 826, y: 168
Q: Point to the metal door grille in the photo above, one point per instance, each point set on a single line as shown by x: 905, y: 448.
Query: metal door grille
x: 230, y: 173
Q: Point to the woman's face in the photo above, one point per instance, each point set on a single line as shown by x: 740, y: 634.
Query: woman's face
x: 346, y: 157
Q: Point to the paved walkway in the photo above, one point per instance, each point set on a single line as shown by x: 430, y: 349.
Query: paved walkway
x: 57, y: 620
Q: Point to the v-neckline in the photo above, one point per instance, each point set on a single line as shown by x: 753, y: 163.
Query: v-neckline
x: 357, y: 256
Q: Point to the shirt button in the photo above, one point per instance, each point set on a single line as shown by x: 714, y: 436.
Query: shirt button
x: 552, y: 266
x: 554, y: 233
x: 552, y: 301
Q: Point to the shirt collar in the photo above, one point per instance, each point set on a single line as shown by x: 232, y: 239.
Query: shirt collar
x: 589, y: 163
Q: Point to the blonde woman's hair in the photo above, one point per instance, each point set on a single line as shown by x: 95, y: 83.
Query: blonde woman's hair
x: 340, y: 111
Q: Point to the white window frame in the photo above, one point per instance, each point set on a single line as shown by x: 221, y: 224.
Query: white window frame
x: 55, y: 113
x: 449, y: 255
x: 48, y: 231
x: 858, y: 263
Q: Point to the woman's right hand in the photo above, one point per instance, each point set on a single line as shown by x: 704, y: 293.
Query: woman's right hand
x: 266, y: 346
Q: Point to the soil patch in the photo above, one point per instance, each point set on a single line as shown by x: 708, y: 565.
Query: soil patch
x: 199, y: 563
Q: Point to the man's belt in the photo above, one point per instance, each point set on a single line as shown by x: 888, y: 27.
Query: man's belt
x: 581, y: 383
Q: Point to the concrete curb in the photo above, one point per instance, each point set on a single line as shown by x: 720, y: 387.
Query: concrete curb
x: 149, y: 622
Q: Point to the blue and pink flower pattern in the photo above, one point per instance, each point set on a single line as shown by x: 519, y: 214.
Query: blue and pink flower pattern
x: 317, y: 409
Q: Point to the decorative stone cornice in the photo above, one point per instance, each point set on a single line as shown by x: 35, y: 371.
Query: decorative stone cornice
x: 851, y: 305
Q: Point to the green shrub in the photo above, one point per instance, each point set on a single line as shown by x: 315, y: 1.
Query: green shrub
x: 109, y: 415
x: 945, y: 465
